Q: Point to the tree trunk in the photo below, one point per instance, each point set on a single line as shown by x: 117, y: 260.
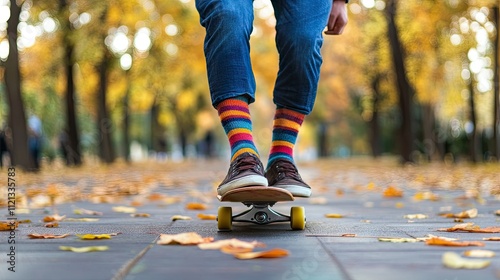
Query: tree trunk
x: 473, y: 144
x: 74, y: 156
x: 496, y: 100
x: 156, y: 130
x: 105, y: 125
x: 404, y: 88
x: 126, y: 122
x: 374, y: 121
x: 20, y: 155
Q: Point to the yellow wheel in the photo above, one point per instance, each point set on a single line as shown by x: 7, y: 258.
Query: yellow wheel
x: 297, y: 218
x: 224, y: 218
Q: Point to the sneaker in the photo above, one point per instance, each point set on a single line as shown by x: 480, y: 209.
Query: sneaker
x: 282, y: 173
x: 245, y: 170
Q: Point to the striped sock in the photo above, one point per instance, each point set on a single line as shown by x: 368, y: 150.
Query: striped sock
x: 285, y: 130
x: 234, y: 115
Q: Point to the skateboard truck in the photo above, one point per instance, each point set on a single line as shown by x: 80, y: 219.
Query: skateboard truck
x: 260, y: 213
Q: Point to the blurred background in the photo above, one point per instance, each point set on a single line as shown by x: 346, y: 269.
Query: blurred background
x: 106, y: 81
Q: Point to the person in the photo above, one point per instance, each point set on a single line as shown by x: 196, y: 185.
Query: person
x: 299, y: 28
x: 35, y: 139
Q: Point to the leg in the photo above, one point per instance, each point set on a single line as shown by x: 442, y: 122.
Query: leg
x: 228, y: 25
x: 298, y: 39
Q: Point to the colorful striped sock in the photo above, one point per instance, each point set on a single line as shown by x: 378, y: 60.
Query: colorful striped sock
x: 234, y: 115
x: 285, y: 130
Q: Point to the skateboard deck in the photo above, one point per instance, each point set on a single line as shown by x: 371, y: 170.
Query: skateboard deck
x: 257, y: 194
x: 259, y: 199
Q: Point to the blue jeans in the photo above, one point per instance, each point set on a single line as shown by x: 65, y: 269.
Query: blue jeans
x: 299, y: 26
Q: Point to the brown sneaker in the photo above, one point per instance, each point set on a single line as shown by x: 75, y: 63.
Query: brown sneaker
x: 245, y: 170
x: 282, y: 173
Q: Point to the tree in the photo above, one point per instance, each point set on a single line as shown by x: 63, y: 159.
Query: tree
x: 17, y: 118
x: 496, y: 83
x: 73, y: 151
x: 405, y: 90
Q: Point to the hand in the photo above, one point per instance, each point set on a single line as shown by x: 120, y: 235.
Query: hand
x: 338, y: 18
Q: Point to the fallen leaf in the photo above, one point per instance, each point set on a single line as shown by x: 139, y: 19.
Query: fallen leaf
x: 234, y: 243
x: 494, y: 238
x: 207, y: 217
x: 53, y: 218
x: 187, y: 238
x: 273, y: 253
x: 318, y: 200
x: 392, y: 191
x: 52, y: 225
x: 8, y: 225
x: 93, y: 236
x: 497, y: 212
x: 429, y: 236
x: 470, y: 227
x: 416, y: 216
x: 84, y: 249
x: 398, y: 240
x: 334, y: 215
x: 27, y: 221
x: 124, y: 209
x: 471, y: 213
x: 436, y: 241
x: 339, y: 192
x: 47, y: 236
x: 232, y: 250
x: 140, y: 215
x: 196, y: 206
x: 86, y: 220
x: 454, y: 260
x: 426, y: 196
x: 81, y: 211
x: 400, y: 205
x: 155, y: 197
x: 479, y: 253
x: 180, y: 217
x: 348, y: 235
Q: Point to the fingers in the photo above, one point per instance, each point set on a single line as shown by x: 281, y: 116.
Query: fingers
x: 338, y: 18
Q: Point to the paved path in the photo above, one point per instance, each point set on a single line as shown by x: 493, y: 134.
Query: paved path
x: 318, y: 252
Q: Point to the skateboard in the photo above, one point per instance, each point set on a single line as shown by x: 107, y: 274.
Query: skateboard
x: 260, y: 200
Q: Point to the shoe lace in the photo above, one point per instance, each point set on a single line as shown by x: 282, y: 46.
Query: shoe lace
x: 245, y: 163
x: 288, y: 169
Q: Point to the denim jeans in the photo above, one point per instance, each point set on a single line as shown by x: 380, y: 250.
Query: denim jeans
x: 299, y: 26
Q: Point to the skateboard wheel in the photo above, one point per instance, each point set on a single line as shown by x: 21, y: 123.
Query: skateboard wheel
x: 297, y: 218
x: 224, y: 218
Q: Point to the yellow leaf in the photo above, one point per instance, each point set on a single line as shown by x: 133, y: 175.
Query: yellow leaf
x: 207, y: 217
x: 53, y: 218
x: 84, y: 249
x: 46, y: 236
x: 93, y: 236
x: 180, y: 217
x: 348, y: 235
x: 196, y: 206
x: 398, y: 240
x: 273, y: 253
x: 426, y: 196
x: 8, y: 225
x: 392, y: 191
x: 479, y: 253
x: 436, y: 241
x: 124, y: 209
x: 187, y: 238
x: 471, y: 213
x: 454, y: 260
x: 334, y: 215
